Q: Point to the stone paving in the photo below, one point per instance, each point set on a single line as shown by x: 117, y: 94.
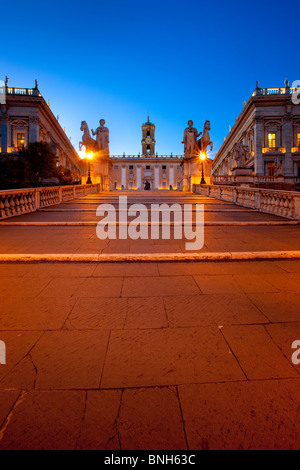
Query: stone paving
x: 156, y: 355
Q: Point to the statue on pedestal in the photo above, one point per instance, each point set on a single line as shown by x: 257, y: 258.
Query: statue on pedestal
x: 87, y: 141
x: 190, y: 139
x: 278, y: 167
x: 241, y: 154
x: 100, y: 145
x: 205, y: 141
x: 102, y: 138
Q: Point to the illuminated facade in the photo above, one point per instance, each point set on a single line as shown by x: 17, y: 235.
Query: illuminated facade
x: 25, y: 117
x: 269, y: 129
x: 146, y: 169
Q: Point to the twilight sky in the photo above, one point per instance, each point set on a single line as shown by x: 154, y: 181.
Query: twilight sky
x: 120, y: 60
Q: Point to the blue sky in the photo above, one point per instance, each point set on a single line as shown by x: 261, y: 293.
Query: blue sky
x: 120, y: 60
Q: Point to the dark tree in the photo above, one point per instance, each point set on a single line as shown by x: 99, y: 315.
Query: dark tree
x: 40, y: 162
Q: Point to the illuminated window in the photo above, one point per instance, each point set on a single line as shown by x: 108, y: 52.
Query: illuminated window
x: 20, y: 139
x: 272, y: 140
x: 298, y: 139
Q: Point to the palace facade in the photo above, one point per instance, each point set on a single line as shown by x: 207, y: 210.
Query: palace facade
x: 25, y: 117
x: 264, y: 144
x: 145, y: 170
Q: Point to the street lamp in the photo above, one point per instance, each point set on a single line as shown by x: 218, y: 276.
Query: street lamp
x: 89, y: 156
x: 202, y: 158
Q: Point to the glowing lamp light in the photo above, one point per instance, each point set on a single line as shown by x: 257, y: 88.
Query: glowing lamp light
x: 81, y: 154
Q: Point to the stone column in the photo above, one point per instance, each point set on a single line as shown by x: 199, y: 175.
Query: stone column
x: 287, y: 139
x: 123, y: 177
x: 185, y: 176
x: 33, y: 129
x: 156, y: 177
x: 4, y: 135
x: 171, y: 176
x: 258, y: 145
x: 139, y: 177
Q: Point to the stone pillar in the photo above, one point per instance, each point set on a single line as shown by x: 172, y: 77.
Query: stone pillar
x: 4, y: 135
x: 123, y: 177
x: 171, y: 176
x: 287, y: 139
x: 156, y: 177
x: 258, y: 145
x: 185, y: 176
x: 139, y: 177
x: 33, y: 129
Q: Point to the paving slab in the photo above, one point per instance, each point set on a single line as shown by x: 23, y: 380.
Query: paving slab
x: 38, y: 313
x: 256, y: 353
x: 278, y: 306
x: 211, y: 309
x: 247, y: 415
x: 100, y: 427
x: 168, y: 357
x: 18, y: 346
x: 7, y: 401
x: 56, y: 424
x: 155, y: 286
x: 284, y: 335
x: 156, y: 426
x: 98, y: 313
x: 69, y: 359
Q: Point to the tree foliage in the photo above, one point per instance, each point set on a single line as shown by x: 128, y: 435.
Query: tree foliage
x: 31, y: 166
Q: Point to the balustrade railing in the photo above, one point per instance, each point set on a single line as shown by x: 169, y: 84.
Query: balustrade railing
x: 275, y: 91
x: 14, y: 202
x: 148, y: 157
x: 281, y: 203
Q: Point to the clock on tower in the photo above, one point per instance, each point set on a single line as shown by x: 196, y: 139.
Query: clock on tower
x: 148, y: 139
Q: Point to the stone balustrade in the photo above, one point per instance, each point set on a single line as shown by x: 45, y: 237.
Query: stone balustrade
x: 224, y: 179
x: 15, y: 202
x: 281, y: 203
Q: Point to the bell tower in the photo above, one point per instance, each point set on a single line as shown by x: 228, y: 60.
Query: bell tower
x: 148, y: 139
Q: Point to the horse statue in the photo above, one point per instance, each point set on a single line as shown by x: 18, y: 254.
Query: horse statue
x: 204, y: 141
x: 87, y: 140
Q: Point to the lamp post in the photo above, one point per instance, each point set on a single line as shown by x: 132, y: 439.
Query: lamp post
x: 202, y: 157
x: 89, y: 156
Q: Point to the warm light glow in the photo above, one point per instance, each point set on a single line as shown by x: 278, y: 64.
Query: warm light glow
x: 81, y: 154
x: 89, y: 156
x: 202, y: 156
x: 272, y: 140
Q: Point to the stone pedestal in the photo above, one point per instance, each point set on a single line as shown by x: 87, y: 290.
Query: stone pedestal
x: 242, y: 175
